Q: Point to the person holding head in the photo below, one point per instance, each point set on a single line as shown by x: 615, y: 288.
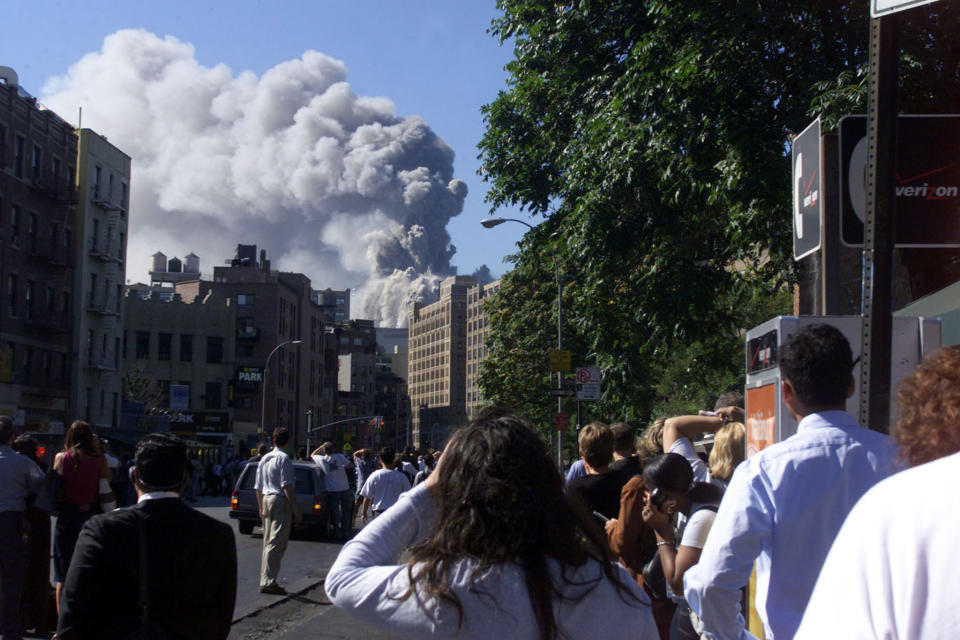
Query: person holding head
x: 680, y: 511
x: 19, y: 478
x: 891, y: 571
x: 679, y: 431
x: 383, y: 487
x: 495, y: 551
x: 189, y: 560
x: 277, y: 503
x: 85, y: 476
x: 337, y: 495
x: 599, y: 490
x: 785, y: 505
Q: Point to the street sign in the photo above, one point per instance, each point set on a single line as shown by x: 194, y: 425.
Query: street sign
x: 588, y: 383
x: 806, y: 191
x: 880, y: 8
x: 561, y: 421
x: 559, y: 361
x: 179, y: 397
x: 927, y: 174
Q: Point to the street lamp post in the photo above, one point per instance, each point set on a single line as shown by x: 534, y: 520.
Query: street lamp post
x: 490, y: 223
x: 266, y: 367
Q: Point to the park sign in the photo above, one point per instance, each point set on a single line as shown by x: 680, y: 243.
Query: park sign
x: 805, y: 152
x: 927, y: 181
x: 880, y: 8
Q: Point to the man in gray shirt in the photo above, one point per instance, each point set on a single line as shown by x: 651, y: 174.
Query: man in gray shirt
x: 19, y: 477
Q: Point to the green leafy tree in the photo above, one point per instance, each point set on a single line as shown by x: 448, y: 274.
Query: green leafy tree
x: 653, y: 137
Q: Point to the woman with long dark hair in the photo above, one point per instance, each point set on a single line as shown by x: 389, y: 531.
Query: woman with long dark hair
x: 681, y: 512
x: 85, y: 476
x: 496, y: 551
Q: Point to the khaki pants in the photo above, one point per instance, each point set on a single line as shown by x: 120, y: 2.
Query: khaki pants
x: 277, y: 523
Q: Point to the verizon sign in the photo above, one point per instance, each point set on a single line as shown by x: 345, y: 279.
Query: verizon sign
x: 879, y: 8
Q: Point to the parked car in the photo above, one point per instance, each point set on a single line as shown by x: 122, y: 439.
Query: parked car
x: 307, y: 486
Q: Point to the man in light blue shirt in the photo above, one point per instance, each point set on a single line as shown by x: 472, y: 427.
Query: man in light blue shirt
x: 785, y: 505
x: 277, y: 501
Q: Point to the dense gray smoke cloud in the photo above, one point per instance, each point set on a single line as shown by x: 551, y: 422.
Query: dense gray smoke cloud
x: 331, y: 184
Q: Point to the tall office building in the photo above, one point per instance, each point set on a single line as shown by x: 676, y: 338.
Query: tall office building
x: 38, y: 198
x: 477, y: 330
x: 437, y: 363
x: 101, y: 241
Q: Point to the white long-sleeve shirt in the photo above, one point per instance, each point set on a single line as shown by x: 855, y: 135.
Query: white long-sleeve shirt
x: 783, y: 508
x: 892, y: 571
x: 367, y: 582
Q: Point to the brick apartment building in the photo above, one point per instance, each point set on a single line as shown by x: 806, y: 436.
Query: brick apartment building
x: 38, y: 197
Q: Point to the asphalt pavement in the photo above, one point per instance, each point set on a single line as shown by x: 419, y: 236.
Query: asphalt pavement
x: 305, y: 612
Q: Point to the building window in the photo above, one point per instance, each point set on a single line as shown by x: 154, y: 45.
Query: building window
x: 164, y: 346
x: 244, y: 299
x: 18, y: 147
x: 12, y: 295
x: 116, y: 353
x: 15, y: 225
x: 143, y: 345
x: 212, y: 395
x: 32, y: 233
x: 186, y: 347
x: 35, y: 162
x: 28, y: 298
x: 214, y: 349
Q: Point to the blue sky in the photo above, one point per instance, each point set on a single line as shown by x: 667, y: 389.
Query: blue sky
x: 432, y: 58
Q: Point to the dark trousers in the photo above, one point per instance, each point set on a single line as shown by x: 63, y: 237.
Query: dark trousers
x: 13, y: 570
x: 340, y: 508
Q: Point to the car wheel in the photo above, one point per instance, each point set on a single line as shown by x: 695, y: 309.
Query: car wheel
x: 245, y: 527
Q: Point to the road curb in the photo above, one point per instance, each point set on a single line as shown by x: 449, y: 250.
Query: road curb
x: 290, y: 594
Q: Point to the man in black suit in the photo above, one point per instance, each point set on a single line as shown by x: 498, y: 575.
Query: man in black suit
x: 191, y: 560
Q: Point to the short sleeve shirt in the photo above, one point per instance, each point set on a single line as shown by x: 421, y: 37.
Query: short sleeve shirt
x: 697, y: 527
x: 274, y: 472
x: 334, y: 469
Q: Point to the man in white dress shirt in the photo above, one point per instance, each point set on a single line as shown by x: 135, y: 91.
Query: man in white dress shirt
x: 785, y: 505
x: 277, y: 502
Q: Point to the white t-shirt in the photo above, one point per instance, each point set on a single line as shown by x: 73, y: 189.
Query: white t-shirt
x: 891, y: 572
x: 695, y: 529
x: 683, y: 446
x: 334, y: 469
x: 383, y: 487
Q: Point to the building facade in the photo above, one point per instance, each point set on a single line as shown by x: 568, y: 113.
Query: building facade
x: 101, y: 240
x: 179, y: 362
x: 437, y: 362
x: 335, y: 303
x: 38, y: 242
x: 477, y: 330
x: 273, y: 311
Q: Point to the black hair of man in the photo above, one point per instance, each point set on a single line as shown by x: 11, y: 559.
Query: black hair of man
x: 387, y: 456
x: 6, y: 429
x: 623, y: 438
x: 729, y: 399
x: 161, y: 462
x: 281, y: 435
x: 263, y: 449
x: 817, y: 362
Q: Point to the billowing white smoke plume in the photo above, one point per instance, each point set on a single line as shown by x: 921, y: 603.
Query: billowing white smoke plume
x: 331, y: 184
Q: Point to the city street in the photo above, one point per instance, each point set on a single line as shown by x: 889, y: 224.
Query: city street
x: 305, y: 612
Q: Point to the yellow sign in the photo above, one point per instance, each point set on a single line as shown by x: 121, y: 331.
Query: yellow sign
x: 560, y: 361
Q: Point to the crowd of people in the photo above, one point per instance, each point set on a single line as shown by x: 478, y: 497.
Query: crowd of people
x: 497, y: 544
x: 647, y: 536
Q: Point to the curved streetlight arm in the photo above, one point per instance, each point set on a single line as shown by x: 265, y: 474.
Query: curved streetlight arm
x: 490, y: 223
x: 266, y: 367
